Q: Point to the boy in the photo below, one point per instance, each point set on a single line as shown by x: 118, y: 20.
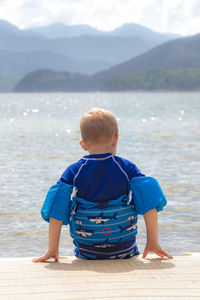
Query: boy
x: 101, y: 182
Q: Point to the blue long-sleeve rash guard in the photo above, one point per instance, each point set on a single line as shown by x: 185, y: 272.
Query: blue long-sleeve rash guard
x: 100, y: 177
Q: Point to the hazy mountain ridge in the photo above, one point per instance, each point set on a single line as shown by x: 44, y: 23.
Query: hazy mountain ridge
x: 81, y: 53
x: 172, y: 65
x: 59, y: 30
x: 179, y: 53
x: 8, y: 29
x: 20, y: 63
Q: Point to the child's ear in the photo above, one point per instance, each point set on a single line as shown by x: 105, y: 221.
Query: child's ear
x: 115, y: 140
x: 83, y: 145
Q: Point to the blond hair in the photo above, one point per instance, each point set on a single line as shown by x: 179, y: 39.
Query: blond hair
x: 98, y: 126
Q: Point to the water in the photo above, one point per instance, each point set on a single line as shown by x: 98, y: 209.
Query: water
x: 39, y: 137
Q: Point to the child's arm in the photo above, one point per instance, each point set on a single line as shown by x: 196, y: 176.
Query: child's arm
x: 54, y: 237
x: 152, y: 245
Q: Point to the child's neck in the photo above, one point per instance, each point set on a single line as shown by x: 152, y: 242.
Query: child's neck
x: 101, y: 150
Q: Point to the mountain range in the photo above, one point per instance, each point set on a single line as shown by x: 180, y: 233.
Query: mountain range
x: 59, y: 30
x: 179, y: 53
x: 172, y: 65
x: 76, y: 49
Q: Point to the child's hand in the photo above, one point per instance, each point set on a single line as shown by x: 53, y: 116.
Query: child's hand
x: 156, y: 248
x: 48, y: 254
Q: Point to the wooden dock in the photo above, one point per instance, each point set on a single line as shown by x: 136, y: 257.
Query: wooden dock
x: 71, y: 278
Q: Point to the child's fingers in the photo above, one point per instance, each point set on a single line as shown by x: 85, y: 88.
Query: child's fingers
x: 162, y: 253
x: 145, y: 253
x: 45, y: 257
x: 165, y: 253
x: 41, y: 259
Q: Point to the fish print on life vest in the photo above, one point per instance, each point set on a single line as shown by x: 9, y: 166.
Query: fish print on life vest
x: 101, y: 219
x: 78, y: 222
x: 132, y: 226
x: 130, y: 218
x: 84, y: 232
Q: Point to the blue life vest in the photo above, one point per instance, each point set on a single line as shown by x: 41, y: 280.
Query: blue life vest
x: 106, y: 227
x: 103, y: 229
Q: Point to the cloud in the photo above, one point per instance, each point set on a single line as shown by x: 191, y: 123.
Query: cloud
x: 180, y: 16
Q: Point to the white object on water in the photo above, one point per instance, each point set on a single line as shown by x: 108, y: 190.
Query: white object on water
x: 35, y: 110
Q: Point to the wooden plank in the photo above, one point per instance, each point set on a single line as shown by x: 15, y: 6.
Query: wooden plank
x: 177, y: 279
x: 103, y: 294
x: 71, y: 278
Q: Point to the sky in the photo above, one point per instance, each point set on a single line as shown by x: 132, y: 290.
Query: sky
x: 175, y: 16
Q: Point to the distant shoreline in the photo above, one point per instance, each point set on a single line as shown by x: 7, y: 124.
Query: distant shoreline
x: 108, y: 92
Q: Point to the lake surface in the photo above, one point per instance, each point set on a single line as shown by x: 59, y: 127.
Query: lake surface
x: 39, y: 137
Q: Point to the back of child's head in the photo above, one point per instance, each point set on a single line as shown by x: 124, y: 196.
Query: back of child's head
x: 98, y: 126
